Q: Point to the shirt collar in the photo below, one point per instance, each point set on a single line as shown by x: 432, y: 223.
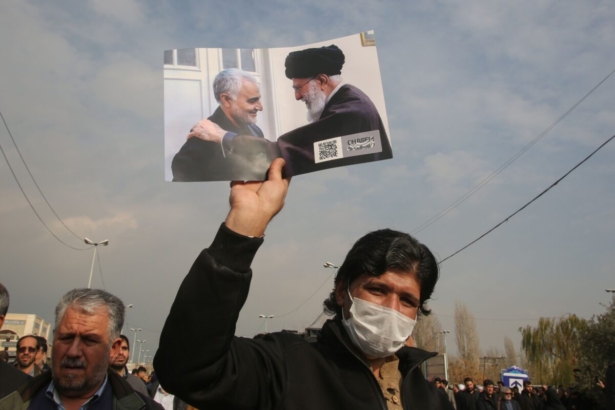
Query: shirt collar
x: 336, y: 89
x: 53, y: 394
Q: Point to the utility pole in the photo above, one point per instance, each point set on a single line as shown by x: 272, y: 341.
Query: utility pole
x: 444, y: 333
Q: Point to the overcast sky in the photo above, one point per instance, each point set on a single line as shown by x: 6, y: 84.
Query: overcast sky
x: 467, y: 85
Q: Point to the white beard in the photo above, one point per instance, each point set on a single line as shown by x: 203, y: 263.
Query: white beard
x: 315, y: 102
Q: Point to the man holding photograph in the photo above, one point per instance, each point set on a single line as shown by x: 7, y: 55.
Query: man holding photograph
x: 360, y: 360
x: 335, y: 109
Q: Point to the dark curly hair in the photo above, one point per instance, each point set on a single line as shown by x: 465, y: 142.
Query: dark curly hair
x: 381, y: 251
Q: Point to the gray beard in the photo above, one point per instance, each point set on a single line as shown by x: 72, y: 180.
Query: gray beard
x: 315, y: 101
x: 241, y: 117
x: 69, y: 387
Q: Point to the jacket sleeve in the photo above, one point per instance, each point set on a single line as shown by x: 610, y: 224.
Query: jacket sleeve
x: 199, y: 358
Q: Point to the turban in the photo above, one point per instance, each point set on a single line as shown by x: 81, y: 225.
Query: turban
x: 313, y: 61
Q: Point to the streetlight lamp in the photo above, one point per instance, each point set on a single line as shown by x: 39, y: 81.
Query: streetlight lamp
x: 126, y: 307
x: 266, y: 319
x: 134, y: 344
x: 141, y: 342
x: 331, y: 265
x: 610, y: 290
x: 144, y: 355
x: 95, y: 244
x: 445, y: 332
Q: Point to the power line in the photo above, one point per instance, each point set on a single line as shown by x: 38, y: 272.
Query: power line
x: 309, y: 297
x: 495, y: 173
x: 28, y: 200
x: 31, y: 206
x: 526, y: 205
x: 34, y: 180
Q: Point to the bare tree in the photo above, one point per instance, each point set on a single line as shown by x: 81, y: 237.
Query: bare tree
x: 468, y: 344
x: 427, y: 334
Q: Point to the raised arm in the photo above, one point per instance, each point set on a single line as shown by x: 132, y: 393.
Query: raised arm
x: 199, y: 358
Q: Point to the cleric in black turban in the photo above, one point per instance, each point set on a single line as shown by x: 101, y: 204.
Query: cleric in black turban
x: 313, y: 61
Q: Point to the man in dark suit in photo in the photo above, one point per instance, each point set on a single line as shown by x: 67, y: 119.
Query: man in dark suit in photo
x: 238, y: 96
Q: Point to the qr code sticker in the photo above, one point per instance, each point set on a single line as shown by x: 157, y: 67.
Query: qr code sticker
x: 328, y: 150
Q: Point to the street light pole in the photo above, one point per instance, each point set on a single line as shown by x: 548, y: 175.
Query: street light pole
x: 129, y: 306
x: 141, y: 342
x: 134, y: 344
x: 144, y: 355
x: 445, y: 332
x: 95, y: 244
x: 266, y: 317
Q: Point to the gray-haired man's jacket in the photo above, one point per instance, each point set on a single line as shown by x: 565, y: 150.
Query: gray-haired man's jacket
x: 124, y: 397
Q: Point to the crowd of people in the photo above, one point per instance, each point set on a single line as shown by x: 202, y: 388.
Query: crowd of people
x: 492, y: 396
x: 363, y: 358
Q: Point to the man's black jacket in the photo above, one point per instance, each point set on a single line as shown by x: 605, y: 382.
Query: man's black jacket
x: 201, y: 361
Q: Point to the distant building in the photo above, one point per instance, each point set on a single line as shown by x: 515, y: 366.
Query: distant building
x: 17, y: 325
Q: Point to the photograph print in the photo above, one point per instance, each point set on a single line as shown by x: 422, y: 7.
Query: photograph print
x: 229, y: 112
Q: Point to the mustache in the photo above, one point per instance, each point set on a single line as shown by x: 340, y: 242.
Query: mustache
x: 67, y: 362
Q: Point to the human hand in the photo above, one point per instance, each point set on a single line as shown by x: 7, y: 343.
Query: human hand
x: 207, y: 131
x: 255, y: 203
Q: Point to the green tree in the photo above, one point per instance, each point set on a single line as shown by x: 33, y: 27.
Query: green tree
x: 598, y: 347
x: 552, y: 348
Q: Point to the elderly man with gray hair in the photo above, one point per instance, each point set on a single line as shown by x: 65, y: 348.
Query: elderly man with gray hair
x: 86, y: 335
x: 239, y: 98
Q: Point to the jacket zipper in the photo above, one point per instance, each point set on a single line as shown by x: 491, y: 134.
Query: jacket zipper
x: 383, y: 404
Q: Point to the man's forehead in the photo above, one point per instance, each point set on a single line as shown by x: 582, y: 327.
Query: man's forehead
x: 393, y: 277
x: 250, y: 87
x: 78, y: 319
x: 28, y: 341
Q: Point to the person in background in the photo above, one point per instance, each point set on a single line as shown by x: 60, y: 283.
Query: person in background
x: 86, y: 336
x: 487, y: 399
x: 27, y: 346
x: 41, y: 354
x: 449, y: 393
x: 507, y: 403
x: 10, y: 377
x: 118, y: 364
x: 469, y: 396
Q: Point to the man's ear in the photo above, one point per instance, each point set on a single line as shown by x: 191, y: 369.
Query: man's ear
x: 115, y: 347
x: 1, y: 321
x: 340, y: 293
x: 323, y: 80
x: 226, y: 100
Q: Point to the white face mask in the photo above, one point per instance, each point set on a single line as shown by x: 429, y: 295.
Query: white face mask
x: 377, y: 330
